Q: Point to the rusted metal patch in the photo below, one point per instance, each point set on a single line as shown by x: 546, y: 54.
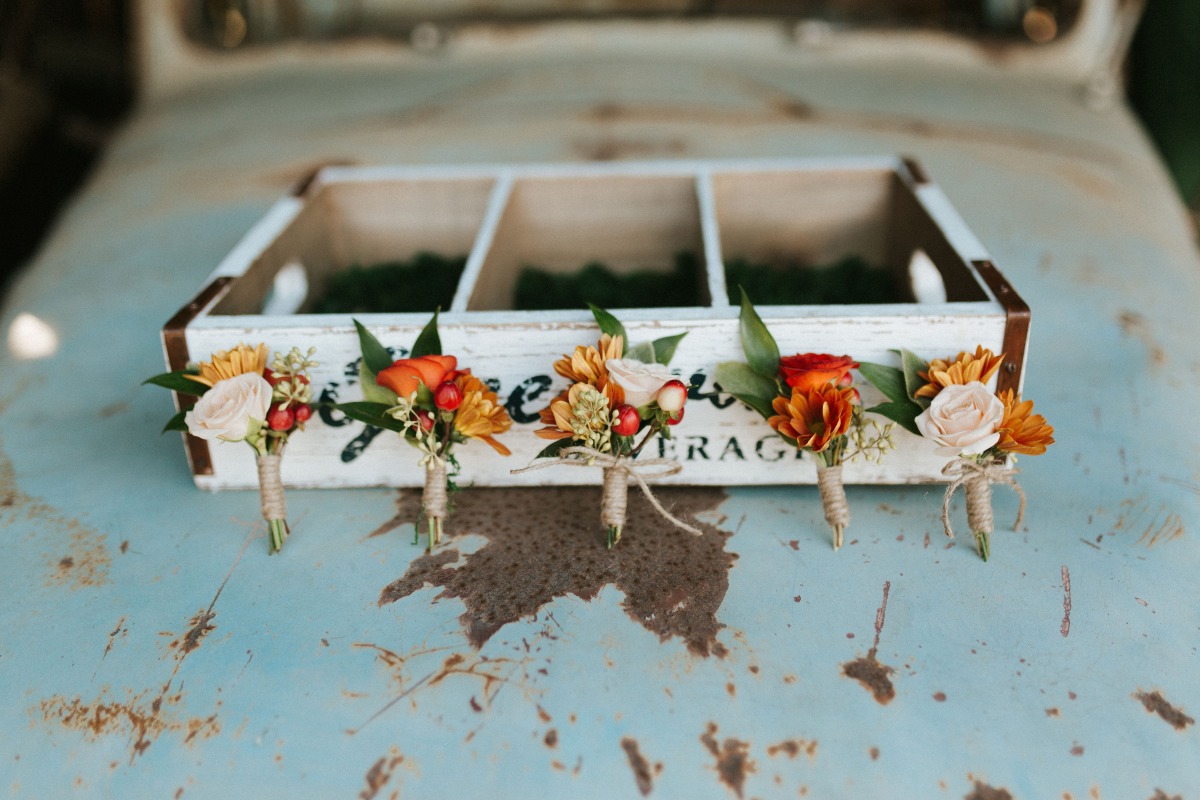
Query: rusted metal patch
x: 1016, y: 325
x: 794, y: 747
x: 380, y: 773
x: 1155, y: 703
x: 642, y: 773
x: 85, y: 563
x: 874, y: 676
x: 733, y: 759
x: 544, y: 543
x: 140, y: 718
x: 201, y: 624
x: 984, y: 792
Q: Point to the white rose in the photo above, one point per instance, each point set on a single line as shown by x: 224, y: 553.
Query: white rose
x: 225, y: 410
x: 640, y: 381
x: 963, y: 418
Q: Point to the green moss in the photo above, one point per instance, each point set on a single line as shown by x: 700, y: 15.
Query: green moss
x: 425, y: 282
x: 848, y: 281
x: 595, y: 283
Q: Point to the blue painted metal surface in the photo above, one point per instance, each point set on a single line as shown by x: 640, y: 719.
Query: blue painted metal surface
x: 150, y: 647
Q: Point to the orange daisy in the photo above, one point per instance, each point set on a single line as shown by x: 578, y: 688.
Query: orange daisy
x: 1022, y: 431
x: 814, y: 418
x: 965, y: 368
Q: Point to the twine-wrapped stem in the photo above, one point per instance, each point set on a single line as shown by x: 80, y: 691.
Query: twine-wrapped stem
x: 614, y: 498
x: 618, y: 472
x: 833, y: 501
x: 977, y: 478
x: 435, y: 500
x: 271, y: 499
x: 979, y: 512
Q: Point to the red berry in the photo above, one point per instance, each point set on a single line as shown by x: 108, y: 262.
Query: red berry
x: 447, y: 396
x: 627, y: 421
x: 672, y: 396
x: 281, y: 418
x: 676, y: 418
x: 426, y: 420
x: 269, y: 377
x: 303, y: 413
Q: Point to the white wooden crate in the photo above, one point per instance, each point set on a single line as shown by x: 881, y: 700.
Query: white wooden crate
x: 628, y: 215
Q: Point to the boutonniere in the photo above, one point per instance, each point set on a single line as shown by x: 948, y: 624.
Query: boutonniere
x: 617, y: 394
x: 243, y: 399
x: 809, y: 399
x: 434, y: 405
x: 948, y: 402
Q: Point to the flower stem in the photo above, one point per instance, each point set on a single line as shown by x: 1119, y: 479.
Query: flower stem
x: 279, y: 531
x: 983, y: 544
x: 614, y: 535
x: 645, y: 439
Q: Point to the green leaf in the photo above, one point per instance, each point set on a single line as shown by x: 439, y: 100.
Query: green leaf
x: 644, y: 353
x: 888, y: 380
x: 372, y: 414
x: 552, y: 450
x: 372, y: 392
x: 374, y: 355
x: 757, y: 342
x: 664, y: 348
x: 428, y: 343
x: 424, y: 396
x: 610, y: 325
x: 176, y: 423
x: 740, y: 380
x: 904, y: 413
x: 760, y: 404
x: 913, y: 364
x: 178, y: 381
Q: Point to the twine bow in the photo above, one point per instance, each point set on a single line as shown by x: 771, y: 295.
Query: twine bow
x: 619, y: 469
x: 976, y: 479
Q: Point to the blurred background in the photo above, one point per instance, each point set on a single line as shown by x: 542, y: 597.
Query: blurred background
x: 68, y: 73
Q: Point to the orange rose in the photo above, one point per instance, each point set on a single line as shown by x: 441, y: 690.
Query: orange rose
x: 404, y: 376
x: 813, y: 370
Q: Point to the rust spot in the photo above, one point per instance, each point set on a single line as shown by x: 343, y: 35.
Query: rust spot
x: 380, y: 773
x: 733, y: 758
x: 1051, y: 712
x: 1065, y: 628
x: 939, y: 696
x: 551, y: 738
x: 874, y: 752
x: 875, y: 677
x: 475, y: 705
x: 1155, y: 703
x: 200, y: 628
x: 141, y: 721
x: 731, y: 690
x: 124, y: 547
x: 1159, y: 794
x: 1134, y: 324
x: 179, y: 793
x: 867, y: 670
x: 794, y: 544
x: 793, y: 747
x: 753, y: 669
x: 112, y: 410
x: 543, y: 715
x: 544, y: 543
x: 984, y: 792
x: 119, y: 630
x: 87, y: 562
x: 1077, y: 749
x: 639, y: 765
